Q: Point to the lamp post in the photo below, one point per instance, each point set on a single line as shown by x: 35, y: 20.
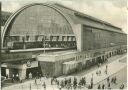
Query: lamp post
x: 0, y: 31
x: 44, y: 43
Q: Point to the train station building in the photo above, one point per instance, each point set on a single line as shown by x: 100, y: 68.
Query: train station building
x: 53, y: 39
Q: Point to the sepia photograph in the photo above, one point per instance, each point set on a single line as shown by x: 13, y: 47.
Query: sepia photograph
x: 63, y: 44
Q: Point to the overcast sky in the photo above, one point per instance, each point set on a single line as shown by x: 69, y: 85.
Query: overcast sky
x: 112, y: 11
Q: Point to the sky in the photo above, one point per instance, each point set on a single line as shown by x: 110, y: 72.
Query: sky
x: 112, y: 11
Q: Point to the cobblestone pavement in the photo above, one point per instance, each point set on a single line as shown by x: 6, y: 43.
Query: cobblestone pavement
x: 113, y: 67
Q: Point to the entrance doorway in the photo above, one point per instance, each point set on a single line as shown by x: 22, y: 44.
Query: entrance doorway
x: 3, y: 70
x: 35, y: 72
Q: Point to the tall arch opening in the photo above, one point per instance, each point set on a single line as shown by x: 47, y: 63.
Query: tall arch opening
x: 38, y: 26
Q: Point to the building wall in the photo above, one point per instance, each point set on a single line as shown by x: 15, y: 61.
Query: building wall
x: 95, y: 33
x: 88, y: 39
x: 94, y: 38
x: 86, y: 58
x: 47, y: 68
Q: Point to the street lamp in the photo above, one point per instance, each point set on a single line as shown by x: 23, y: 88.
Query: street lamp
x: 43, y: 42
x: 0, y: 32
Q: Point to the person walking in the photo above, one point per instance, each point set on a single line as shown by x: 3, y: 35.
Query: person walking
x: 44, y: 85
x: 17, y: 77
x: 115, y: 80
x: 52, y: 81
x: 35, y: 81
x: 62, y: 83
x: 112, y: 80
x: 97, y: 73
x: 13, y: 78
x: 99, y: 87
x: 60, y: 87
x: 103, y: 86
x: 109, y: 85
x: 75, y: 83
x: 106, y: 69
x: 108, y: 80
x: 40, y: 76
x: 30, y: 75
x: 122, y: 86
x: 98, y: 65
x: 37, y: 75
x: 7, y: 76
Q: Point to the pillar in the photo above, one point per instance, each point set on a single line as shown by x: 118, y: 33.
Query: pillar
x: 7, y: 71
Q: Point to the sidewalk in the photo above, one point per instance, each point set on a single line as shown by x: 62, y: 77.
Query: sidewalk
x: 113, y: 67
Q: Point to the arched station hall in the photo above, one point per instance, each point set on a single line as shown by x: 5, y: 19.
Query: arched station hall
x: 44, y: 38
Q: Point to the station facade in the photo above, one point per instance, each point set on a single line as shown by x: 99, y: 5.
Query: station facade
x: 76, y: 40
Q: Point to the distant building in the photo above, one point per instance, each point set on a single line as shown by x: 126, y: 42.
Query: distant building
x: 53, y: 27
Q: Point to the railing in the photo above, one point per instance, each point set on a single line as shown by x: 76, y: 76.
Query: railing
x: 41, y: 44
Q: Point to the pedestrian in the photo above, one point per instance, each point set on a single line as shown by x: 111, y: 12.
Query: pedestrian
x: 97, y: 73
x: 62, y: 83
x: 89, y: 87
x: 75, y: 83
x: 83, y: 81
x: 115, y: 79
x: 47, y: 76
x: 69, y: 81
x: 51, y: 81
x: 17, y: 77
x: 99, y: 87
x: 7, y: 76
x: 106, y: 72
x: 58, y: 82
x: 91, y: 82
x: 80, y: 83
x: 65, y: 81
x: 35, y: 81
x: 112, y: 80
x: 40, y: 76
x: 60, y: 87
x: 98, y: 65
x: 37, y: 75
x: 44, y: 86
x: 30, y: 75
x: 109, y: 85
x: 122, y: 86
x: 108, y: 80
x: 103, y: 86
x: 21, y: 80
x: 106, y: 67
x: 13, y: 76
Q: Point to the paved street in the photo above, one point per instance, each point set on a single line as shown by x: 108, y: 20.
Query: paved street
x: 121, y: 78
x: 116, y: 66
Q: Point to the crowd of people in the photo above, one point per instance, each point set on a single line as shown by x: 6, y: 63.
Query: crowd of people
x: 77, y: 82
x: 110, y: 82
x: 74, y: 82
x: 69, y: 82
x: 15, y: 77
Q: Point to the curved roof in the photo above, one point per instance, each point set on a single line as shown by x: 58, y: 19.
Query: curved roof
x: 81, y: 18
x: 62, y: 20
